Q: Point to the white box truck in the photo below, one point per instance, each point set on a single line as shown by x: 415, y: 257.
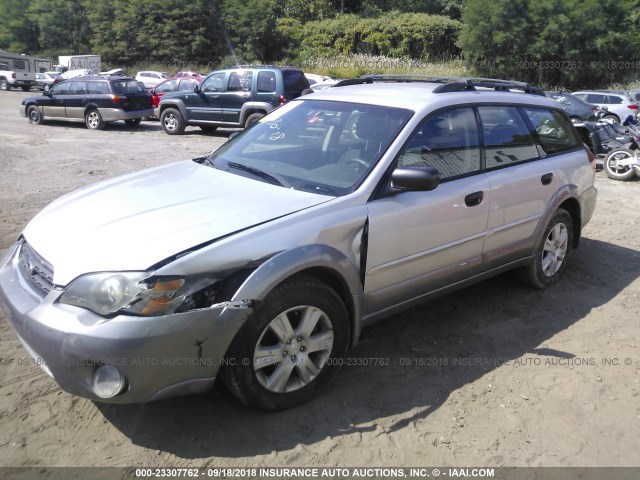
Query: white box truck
x: 79, y: 62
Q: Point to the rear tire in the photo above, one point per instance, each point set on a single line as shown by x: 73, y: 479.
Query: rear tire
x: 253, y: 118
x: 172, y: 122
x: 550, y: 258
x: 289, y: 347
x: 93, y: 120
x: 610, y: 164
x: 4, y: 85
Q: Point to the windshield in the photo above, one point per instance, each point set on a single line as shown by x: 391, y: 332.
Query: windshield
x: 313, y: 145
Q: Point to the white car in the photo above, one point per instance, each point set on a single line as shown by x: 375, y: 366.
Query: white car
x: 619, y: 104
x: 76, y: 73
x: 313, y: 78
x: 151, y: 78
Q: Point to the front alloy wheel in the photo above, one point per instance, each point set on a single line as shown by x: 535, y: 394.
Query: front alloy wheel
x: 289, y: 347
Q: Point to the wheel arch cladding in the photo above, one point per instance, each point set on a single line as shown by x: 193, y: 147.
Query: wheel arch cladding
x: 572, y: 206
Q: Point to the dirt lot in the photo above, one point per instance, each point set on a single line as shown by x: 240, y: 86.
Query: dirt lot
x: 498, y: 374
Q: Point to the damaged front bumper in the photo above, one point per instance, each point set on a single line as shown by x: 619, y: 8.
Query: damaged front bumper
x: 158, y: 357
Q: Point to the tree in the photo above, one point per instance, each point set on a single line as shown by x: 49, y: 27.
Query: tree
x: 17, y: 33
x: 62, y: 24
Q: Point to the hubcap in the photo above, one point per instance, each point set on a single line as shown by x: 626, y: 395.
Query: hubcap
x: 555, y: 249
x: 170, y: 122
x: 93, y: 120
x: 293, y: 349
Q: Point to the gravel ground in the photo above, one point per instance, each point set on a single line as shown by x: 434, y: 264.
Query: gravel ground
x: 494, y: 375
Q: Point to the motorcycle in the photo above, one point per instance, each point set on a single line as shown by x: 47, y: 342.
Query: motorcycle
x: 622, y: 163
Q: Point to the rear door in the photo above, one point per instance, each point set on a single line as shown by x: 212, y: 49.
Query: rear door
x: 421, y: 241
x: 522, y: 175
x: 236, y: 94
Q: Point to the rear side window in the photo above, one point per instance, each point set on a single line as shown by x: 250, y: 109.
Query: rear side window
x: 294, y: 81
x: 555, y: 133
x: 506, y: 137
x: 97, y: 88
x: 78, y: 88
x: 448, y: 142
x: 596, y: 98
x: 127, y: 86
x: 266, y: 82
x: 614, y: 100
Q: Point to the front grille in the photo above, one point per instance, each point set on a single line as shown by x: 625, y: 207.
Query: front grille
x: 35, y: 269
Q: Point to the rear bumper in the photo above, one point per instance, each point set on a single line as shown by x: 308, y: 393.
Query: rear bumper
x: 159, y: 356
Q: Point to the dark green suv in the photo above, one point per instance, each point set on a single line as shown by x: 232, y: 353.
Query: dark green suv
x: 234, y: 97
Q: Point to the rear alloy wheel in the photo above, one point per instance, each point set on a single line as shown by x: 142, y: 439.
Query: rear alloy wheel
x: 616, y: 171
x: 93, y: 120
x: 34, y: 115
x: 172, y: 122
x: 253, y: 118
x: 132, y: 122
x: 550, y: 258
x: 4, y: 85
x: 287, y: 350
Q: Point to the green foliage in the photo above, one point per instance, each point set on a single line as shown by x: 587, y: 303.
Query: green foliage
x: 421, y: 36
x: 573, y: 43
x: 17, y: 33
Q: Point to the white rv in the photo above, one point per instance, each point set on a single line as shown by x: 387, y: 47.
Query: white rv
x: 16, y: 71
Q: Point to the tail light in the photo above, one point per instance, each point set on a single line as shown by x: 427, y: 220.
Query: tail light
x: 591, y: 156
x: 282, y: 100
x: 118, y: 98
x: 633, y: 107
x: 13, y: 75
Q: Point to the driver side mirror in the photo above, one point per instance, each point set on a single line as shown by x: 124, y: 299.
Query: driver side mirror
x: 415, y: 179
x: 47, y: 93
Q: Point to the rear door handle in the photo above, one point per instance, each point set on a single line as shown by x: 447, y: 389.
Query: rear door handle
x: 546, y: 178
x: 474, y: 199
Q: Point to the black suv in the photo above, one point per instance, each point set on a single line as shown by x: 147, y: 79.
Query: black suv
x: 234, y: 97
x: 95, y: 99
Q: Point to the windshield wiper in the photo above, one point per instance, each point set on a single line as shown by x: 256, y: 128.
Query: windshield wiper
x: 259, y: 173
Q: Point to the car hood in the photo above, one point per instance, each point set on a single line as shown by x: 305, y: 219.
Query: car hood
x: 135, y: 221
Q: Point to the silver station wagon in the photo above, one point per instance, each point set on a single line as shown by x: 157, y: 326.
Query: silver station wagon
x: 261, y: 262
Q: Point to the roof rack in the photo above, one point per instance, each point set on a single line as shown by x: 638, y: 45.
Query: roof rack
x: 259, y: 66
x: 447, y: 84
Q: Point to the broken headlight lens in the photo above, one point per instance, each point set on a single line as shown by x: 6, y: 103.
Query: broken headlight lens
x: 136, y: 293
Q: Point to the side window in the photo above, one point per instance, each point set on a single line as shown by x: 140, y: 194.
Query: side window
x: 234, y: 84
x: 266, y: 82
x: 214, y: 83
x: 61, y: 89
x: 506, y: 137
x: 97, y: 88
x: 78, y: 88
x: 169, y: 86
x: 595, y: 98
x: 186, y: 85
x: 20, y: 64
x: 614, y: 100
x: 555, y: 132
x: 447, y: 141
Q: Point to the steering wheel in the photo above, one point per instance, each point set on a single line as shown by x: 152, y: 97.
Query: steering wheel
x: 358, y: 162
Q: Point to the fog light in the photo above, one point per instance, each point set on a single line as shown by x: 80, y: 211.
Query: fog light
x: 107, y: 381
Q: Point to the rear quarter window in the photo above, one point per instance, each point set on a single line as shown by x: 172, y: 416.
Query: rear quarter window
x: 553, y: 131
x: 127, y: 86
x: 294, y: 81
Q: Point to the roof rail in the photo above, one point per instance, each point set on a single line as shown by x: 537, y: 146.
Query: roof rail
x: 259, y: 66
x: 447, y: 84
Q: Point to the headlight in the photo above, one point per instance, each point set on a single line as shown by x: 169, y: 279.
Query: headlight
x: 137, y: 293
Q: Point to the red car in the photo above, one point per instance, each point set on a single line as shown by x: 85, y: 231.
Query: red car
x: 176, y: 84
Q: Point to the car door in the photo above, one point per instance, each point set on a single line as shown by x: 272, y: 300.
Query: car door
x: 76, y: 102
x: 522, y: 176
x: 237, y: 93
x: 422, y: 241
x: 207, y: 104
x: 53, y: 103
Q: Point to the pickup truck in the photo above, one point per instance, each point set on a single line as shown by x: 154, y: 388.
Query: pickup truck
x: 10, y: 78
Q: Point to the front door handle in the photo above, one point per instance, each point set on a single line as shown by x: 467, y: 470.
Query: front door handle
x: 546, y: 178
x: 474, y: 199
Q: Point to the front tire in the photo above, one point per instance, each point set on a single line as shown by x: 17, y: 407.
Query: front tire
x: 93, y: 120
x: 622, y: 172
x: 172, y: 122
x: 550, y: 258
x: 4, y: 85
x: 288, y: 348
x: 34, y: 115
